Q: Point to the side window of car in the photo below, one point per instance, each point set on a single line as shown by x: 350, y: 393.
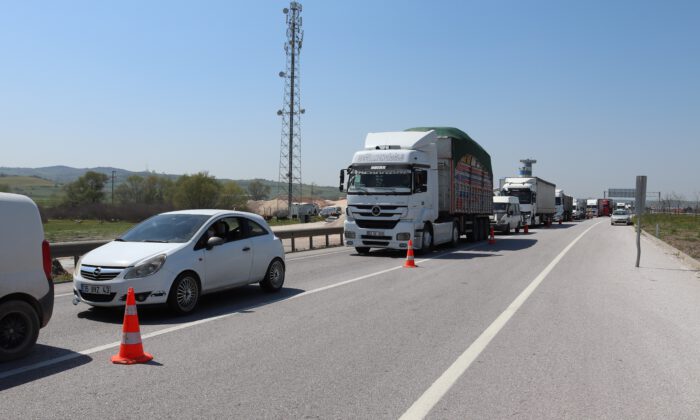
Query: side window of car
x: 254, y: 229
x: 235, y: 229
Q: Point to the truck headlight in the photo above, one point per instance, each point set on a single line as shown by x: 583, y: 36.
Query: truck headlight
x: 146, y: 268
x: 349, y: 234
x: 403, y: 236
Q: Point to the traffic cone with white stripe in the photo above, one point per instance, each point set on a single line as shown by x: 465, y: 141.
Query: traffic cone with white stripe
x: 131, y: 348
x: 492, y: 238
x: 410, y: 263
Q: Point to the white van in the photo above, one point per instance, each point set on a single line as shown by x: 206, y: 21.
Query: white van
x: 506, y: 214
x: 26, y: 287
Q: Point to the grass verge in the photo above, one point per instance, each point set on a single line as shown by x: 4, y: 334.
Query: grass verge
x: 678, y: 230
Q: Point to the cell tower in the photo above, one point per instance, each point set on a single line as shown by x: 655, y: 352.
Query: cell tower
x: 290, y: 145
x: 526, y: 170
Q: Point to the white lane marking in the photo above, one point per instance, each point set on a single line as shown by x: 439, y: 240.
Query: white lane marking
x: 422, y: 406
x: 63, y: 294
x: 178, y: 327
x: 317, y: 255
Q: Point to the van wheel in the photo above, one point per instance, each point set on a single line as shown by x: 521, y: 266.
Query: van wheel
x: 362, y: 250
x: 274, y: 277
x: 19, y: 329
x: 184, y: 294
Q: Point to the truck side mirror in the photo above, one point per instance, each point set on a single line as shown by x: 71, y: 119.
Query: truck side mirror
x: 342, y: 180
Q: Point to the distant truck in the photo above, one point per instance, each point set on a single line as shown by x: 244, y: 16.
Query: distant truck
x: 428, y: 184
x: 564, y: 206
x: 591, y: 208
x: 579, y: 209
x: 604, y: 207
x: 506, y: 214
x: 536, y: 198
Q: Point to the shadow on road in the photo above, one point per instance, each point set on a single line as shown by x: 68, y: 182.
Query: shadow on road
x: 13, y: 373
x: 242, y: 299
x: 502, y: 244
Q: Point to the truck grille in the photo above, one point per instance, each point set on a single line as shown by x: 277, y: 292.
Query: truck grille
x: 376, y: 224
x: 375, y: 243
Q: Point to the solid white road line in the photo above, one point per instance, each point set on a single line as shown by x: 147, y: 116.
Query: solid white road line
x: 178, y: 327
x: 442, y: 385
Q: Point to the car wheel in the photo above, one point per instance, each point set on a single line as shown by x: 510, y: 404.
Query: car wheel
x: 455, y: 235
x: 362, y: 250
x: 274, y: 277
x: 184, y: 294
x: 19, y: 329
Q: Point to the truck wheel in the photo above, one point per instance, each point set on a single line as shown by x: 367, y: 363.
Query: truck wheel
x: 455, y: 236
x: 427, y: 241
x: 19, y: 329
x: 517, y: 228
x: 362, y: 250
x: 507, y: 231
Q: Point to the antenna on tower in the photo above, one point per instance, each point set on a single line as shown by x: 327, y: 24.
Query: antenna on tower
x: 290, y: 144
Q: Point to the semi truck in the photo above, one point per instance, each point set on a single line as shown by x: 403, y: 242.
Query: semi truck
x: 604, y: 207
x: 579, y: 211
x: 429, y: 185
x: 564, y: 205
x: 591, y: 208
x: 536, y: 198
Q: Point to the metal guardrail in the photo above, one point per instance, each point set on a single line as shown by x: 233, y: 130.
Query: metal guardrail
x: 76, y: 249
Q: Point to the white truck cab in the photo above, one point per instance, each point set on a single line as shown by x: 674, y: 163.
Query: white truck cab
x: 506, y: 214
x: 26, y: 286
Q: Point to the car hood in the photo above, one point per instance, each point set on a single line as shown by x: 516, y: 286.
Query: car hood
x: 125, y: 254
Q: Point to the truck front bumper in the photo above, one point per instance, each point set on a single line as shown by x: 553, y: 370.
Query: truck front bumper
x: 396, y: 238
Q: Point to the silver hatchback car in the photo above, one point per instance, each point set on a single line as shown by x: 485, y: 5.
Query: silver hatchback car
x: 621, y: 217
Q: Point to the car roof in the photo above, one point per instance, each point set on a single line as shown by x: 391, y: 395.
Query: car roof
x: 218, y: 212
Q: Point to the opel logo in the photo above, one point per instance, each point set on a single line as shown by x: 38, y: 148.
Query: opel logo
x: 97, y: 272
x: 376, y: 210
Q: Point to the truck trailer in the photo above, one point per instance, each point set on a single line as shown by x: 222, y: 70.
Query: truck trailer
x: 536, y: 198
x: 591, y: 208
x: 430, y: 185
x: 564, y: 205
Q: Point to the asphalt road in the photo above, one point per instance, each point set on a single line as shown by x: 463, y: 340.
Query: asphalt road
x: 554, y: 324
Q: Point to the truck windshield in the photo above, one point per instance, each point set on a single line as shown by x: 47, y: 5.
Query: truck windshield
x: 499, y: 207
x: 557, y: 201
x: 379, y: 180
x: 524, y: 196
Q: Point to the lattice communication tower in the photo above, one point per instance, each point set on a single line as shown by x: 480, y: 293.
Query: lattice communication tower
x: 290, y: 144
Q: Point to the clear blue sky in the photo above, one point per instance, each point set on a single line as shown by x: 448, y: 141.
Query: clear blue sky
x: 596, y: 91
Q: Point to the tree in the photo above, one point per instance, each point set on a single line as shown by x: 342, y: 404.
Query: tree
x: 198, y: 191
x: 233, y: 196
x: 88, y: 189
x: 150, y: 190
x: 130, y: 191
x: 258, y: 190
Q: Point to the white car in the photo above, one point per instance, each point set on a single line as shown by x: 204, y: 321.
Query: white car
x: 176, y: 257
x: 621, y: 217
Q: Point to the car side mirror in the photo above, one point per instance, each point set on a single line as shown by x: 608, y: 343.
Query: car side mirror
x: 214, y: 241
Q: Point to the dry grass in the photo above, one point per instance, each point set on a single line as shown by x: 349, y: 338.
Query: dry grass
x: 678, y: 230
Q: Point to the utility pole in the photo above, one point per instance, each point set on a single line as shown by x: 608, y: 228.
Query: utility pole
x: 290, y: 145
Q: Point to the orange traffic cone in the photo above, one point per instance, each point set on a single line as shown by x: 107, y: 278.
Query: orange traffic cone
x: 492, y: 238
x: 131, y: 349
x: 410, y: 263
x: 525, y: 228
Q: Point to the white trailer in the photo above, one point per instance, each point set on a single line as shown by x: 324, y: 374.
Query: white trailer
x: 536, y: 198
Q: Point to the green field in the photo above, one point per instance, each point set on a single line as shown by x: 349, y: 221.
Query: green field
x: 84, y: 230
x: 42, y: 191
x: 679, y: 230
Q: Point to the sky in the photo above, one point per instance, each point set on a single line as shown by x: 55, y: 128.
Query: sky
x: 597, y: 91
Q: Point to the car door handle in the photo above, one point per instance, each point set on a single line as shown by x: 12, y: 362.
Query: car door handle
x: 246, y: 248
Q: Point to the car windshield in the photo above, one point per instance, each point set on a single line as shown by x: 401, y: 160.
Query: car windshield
x: 499, y: 207
x: 165, y: 228
x: 384, y: 179
x: 620, y: 213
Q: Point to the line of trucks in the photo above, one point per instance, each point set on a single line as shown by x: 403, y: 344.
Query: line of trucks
x: 432, y: 185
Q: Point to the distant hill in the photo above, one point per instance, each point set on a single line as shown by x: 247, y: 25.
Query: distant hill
x: 45, y: 184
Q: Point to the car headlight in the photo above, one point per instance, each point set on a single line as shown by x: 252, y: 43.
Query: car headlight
x: 146, y: 268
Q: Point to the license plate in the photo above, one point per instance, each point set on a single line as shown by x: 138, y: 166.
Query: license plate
x: 375, y: 233
x: 95, y: 290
